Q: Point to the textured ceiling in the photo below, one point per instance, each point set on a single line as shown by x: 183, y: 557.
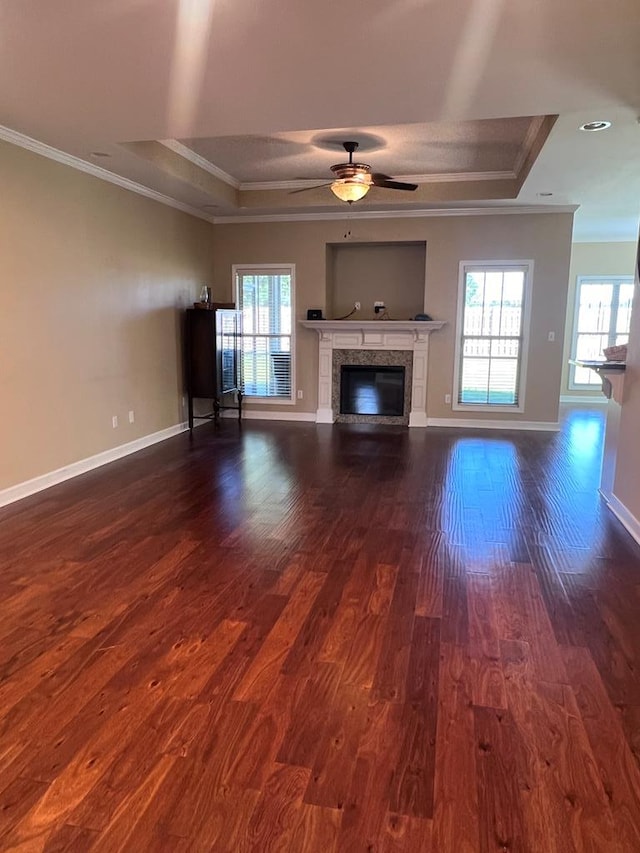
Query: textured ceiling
x: 492, y: 145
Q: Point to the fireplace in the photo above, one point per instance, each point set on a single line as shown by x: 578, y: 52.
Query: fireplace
x: 369, y: 390
x: 373, y: 343
x: 372, y: 386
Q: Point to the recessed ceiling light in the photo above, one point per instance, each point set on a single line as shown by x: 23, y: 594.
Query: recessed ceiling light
x: 100, y: 154
x: 592, y: 126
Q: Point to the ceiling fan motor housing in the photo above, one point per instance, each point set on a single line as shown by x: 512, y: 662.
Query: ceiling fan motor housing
x: 343, y: 171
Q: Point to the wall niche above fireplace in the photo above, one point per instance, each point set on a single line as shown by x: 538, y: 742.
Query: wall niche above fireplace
x: 393, y: 273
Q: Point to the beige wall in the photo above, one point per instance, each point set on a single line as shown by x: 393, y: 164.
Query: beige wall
x: 546, y: 238
x: 93, y: 280
x: 591, y: 259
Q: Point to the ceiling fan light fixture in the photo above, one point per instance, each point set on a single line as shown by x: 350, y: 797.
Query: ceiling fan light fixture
x: 350, y: 189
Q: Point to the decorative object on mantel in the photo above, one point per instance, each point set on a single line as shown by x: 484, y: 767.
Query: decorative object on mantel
x: 423, y: 318
x: 618, y: 353
x: 314, y: 314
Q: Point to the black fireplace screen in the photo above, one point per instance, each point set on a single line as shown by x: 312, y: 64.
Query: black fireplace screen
x: 371, y: 390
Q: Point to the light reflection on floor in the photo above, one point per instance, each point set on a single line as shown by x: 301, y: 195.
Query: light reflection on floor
x: 494, y: 508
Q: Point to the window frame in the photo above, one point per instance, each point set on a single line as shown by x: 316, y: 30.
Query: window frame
x: 616, y: 281
x: 527, y: 265
x: 256, y: 269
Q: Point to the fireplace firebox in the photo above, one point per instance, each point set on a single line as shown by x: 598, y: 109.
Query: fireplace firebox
x: 372, y: 390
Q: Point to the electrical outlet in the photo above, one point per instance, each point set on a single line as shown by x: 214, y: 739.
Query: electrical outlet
x: 114, y: 421
x: 300, y: 395
x: 447, y: 398
x: 378, y: 304
x: 551, y: 337
x: 357, y: 306
x: 132, y: 417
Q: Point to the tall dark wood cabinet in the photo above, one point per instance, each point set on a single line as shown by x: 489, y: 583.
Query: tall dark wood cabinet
x: 213, y: 359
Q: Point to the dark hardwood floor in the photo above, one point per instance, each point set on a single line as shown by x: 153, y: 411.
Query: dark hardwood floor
x: 300, y: 638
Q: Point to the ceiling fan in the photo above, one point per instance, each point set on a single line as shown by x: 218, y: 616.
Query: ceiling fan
x: 354, y: 180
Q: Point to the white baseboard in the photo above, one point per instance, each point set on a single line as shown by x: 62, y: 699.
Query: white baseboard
x: 324, y: 416
x: 624, y: 516
x: 255, y: 415
x: 600, y: 400
x: 418, y: 419
x: 465, y: 423
x: 45, y: 481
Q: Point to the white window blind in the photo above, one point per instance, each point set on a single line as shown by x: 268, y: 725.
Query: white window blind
x: 265, y: 296
x: 602, y: 319
x: 491, y: 336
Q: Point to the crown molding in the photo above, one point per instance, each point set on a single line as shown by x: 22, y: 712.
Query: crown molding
x: 201, y: 162
x: 395, y: 214
x: 44, y: 150
x: 443, y: 178
x: 527, y: 144
x: 302, y: 184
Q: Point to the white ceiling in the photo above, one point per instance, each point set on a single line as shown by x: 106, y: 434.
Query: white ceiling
x: 238, y: 79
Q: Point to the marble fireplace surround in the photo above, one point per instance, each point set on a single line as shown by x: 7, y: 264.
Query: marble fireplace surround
x: 372, y: 358
x: 379, y: 336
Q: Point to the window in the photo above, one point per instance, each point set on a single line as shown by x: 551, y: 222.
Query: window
x: 491, y: 348
x: 602, y: 318
x: 265, y: 297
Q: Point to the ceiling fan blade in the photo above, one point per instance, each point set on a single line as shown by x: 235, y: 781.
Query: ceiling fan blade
x: 379, y: 180
x: 307, y: 189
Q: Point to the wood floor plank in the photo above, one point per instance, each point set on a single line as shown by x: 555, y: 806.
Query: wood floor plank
x: 132, y: 824
x: 455, y: 819
x: 619, y: 772
x: 311, y: 635
x: 484, y: 644
x: 266, y: 665
x: 281, y: 821
x: 502, y: 773
x: 567, y: 797
x: 367, y: 805
x: 384, y: 586
x: 333, y: 768
x: 70, y: 839
x: 309, y: 718
x: 404, y: 834
x: 202, y: 778
x: 365, y: 650
x: 393, y: 663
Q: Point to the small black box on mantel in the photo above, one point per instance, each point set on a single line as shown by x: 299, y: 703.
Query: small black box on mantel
x: 314, y: 314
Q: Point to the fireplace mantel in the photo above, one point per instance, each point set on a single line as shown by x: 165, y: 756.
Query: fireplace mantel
x: 378, y: 335
x: 418, y: 327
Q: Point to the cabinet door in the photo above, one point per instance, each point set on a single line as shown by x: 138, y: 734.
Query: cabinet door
x: 201, y: 353
x: 228, y: 344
